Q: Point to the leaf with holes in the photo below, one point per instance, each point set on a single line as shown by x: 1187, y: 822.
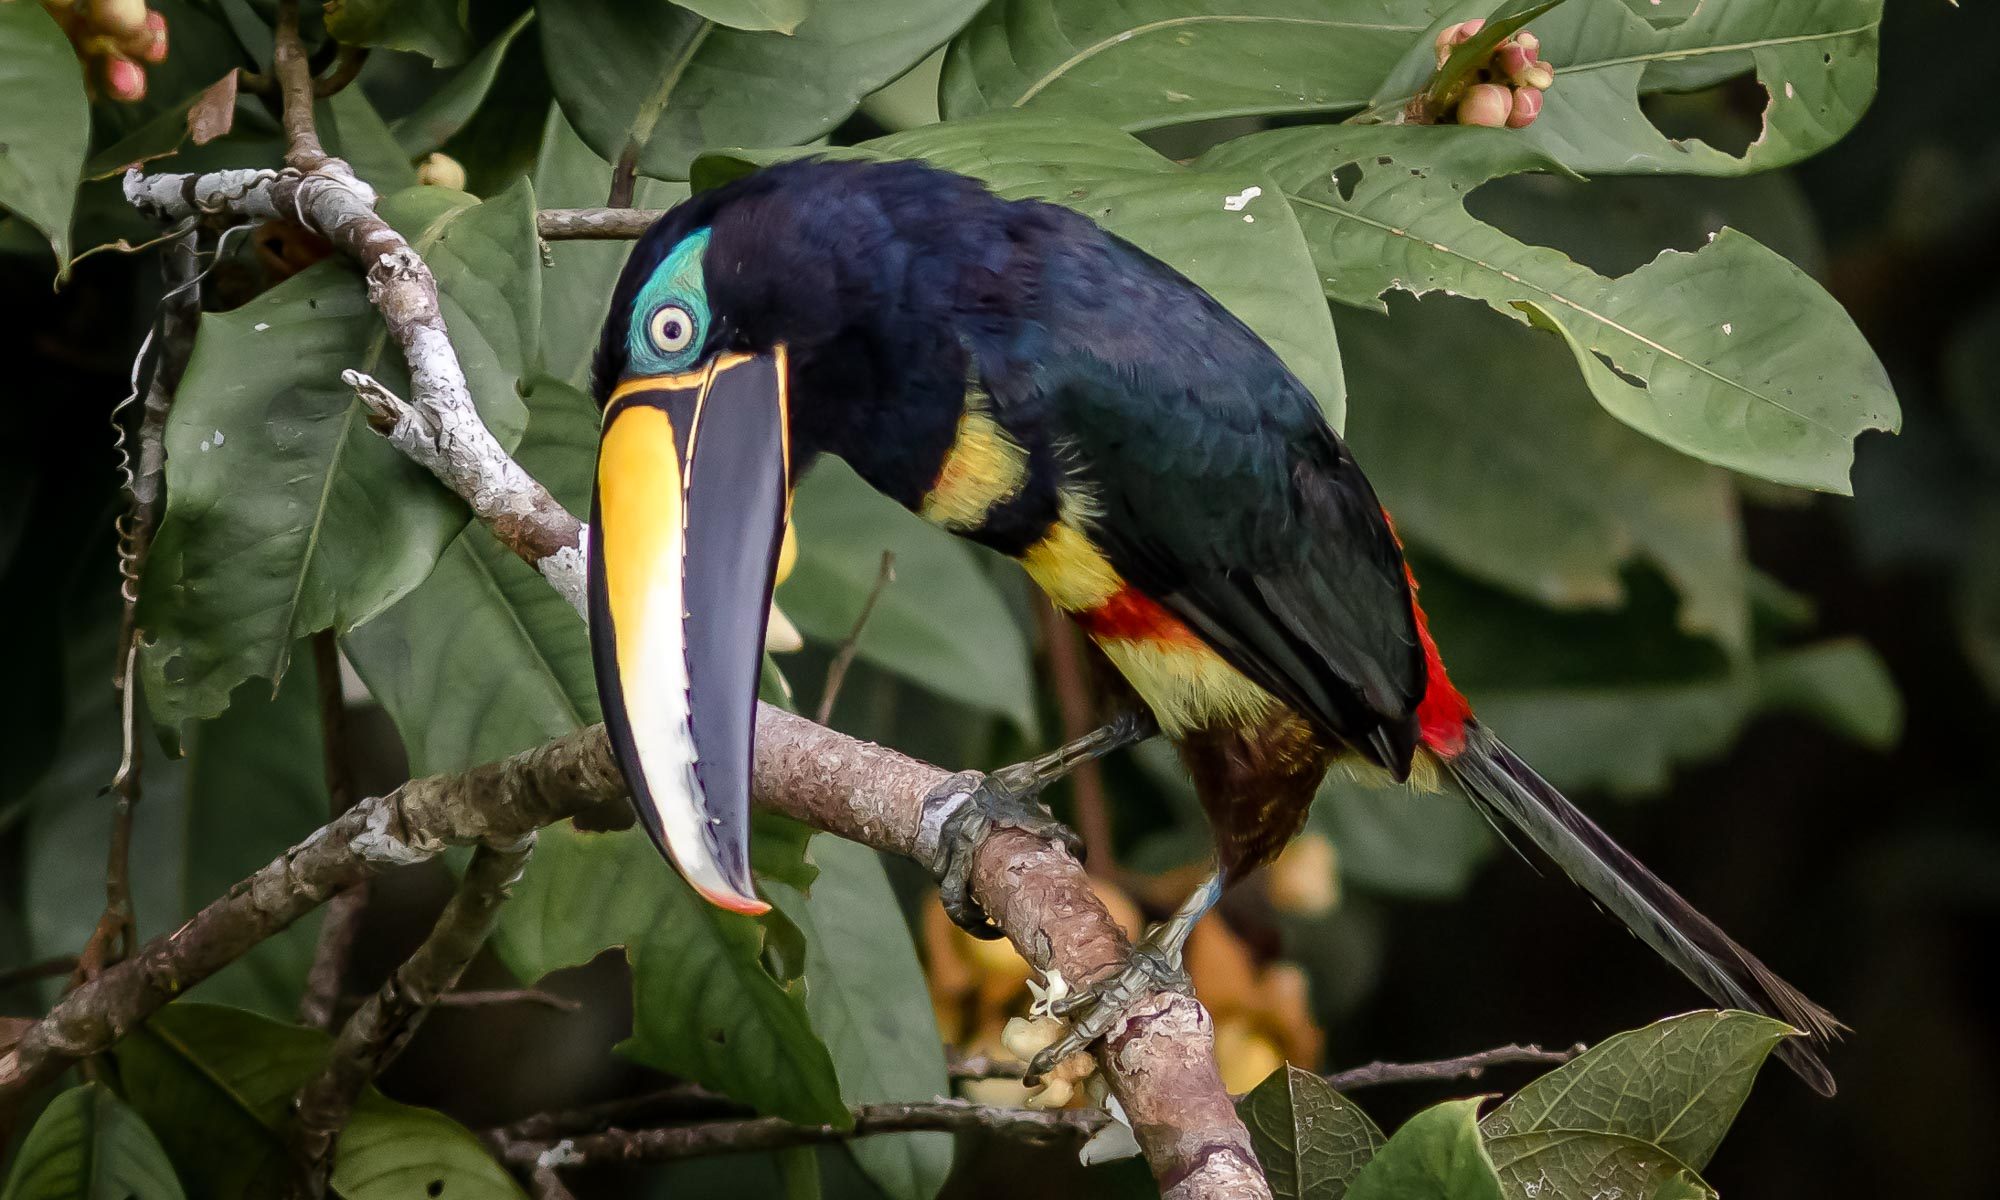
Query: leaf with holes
x: 216, y: 1085
x: 88, y: 1145
x: 1676, y: 1084
x: 1144, y: 64
x: 1311, y: 1140
x: 285, y: 513
x: 1730, y: 354
x: 48, y: 123
x: 1815, y: 60
x: 666, y: 82
x: 1573, y: 1162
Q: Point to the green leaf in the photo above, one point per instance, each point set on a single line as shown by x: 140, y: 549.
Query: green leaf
x: 285, y: 513
x: 1222, y: 230
x: 638, y: 73
x: 1311, y: 1140
x: 48, y: 123
x: 431, y: 27
x: 1815, y: 60
x: 577, y: 292
x: 1150, y: 63
x: 510, y: 667
x: 868, y: 1001
x: 1676, y: 1083
x: 919, y: 627
x: 1573, y: 1162
x: 87, y: 1145
x: 1501, y: 415
x: 782, y: 16
x: 447, y: 110
x: 1436, y: 1155
x: 255, y: 785
x: 216, y: 1084
x: 1730, y: 354
x: 351, y: 128
x: 706, y: 1008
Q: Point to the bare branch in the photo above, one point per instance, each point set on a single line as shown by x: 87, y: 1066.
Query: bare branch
x: 295, y: 91
x: 375, y: 1035
x: 594, y: 224
x: 495, y: 997
x: 344, y: 912
x: 1034, y: 1126
x: 48, y: 968
x: 843, y: 658
x: 1465, y: 1066
x: 346, y: 69
x: 985, y: 1066
x: 687, y: 1102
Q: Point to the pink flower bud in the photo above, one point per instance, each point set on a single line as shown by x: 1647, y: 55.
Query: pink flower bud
x: 1452, y: 35
x: 1527, y: 106
x: 1513, y: 61
x: 1529, y: 42
x: 1538, y: 75
x: 156, y: 48
x: 1486, y: 104
x: 118, y: 16
x: 124, y: 79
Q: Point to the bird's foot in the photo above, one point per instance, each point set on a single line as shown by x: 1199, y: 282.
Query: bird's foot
x: 1154, y: 965
x: 1004, y: 799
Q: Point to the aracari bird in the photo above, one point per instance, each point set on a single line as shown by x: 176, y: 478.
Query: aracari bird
x: 1011, y: 372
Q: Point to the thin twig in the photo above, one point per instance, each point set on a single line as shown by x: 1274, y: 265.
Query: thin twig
x: 48, y: 968
x: 624, y: 178
x: 985, y: 1066
x: 685, y: 1102
x: 1466, y: 1066
x: 548, y: 1185
x: 495, y: 997
x: 843, y: 658
x: 594, y: 224
x: 343, y: 912
x: 1076, y: 709
x: 1033, y: 1126
x: 295, y: 90
x: 346, y: 69
x: 373, y: 1037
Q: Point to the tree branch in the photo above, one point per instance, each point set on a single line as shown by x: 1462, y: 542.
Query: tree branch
x: 1034, y: 1126
x: 1159, y: 1060
x: 377, y: 1033
x: 295, y: 91
x: 1465, y: 1066
x: 344, y: 912
x: 594, y: 224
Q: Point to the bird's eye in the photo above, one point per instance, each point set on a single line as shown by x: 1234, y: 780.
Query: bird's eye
x: 671, y: 328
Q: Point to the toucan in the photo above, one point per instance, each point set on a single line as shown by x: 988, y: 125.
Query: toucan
x: 1017, y: 375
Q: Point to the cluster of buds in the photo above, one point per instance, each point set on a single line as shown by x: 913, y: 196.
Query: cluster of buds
x: 116, y: 39
x: 1507, y: 89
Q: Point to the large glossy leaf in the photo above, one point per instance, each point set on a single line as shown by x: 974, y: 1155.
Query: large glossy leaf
x: 1573, y: 1162
x: 1223, y: 230
x: 47, y: 128
x: 940, y: 623
x: 1730, y: 354
x: 866, y: 995
x: 1311, y: 1140
x: 1815, y: 60
x: 255, y: 785
x: 780, y: 15
x: 1502, y: 415
x: 1676, y: 1083
x: 669, y: 82
x: 577, y: 291
x: 351, y: 128
x: 447, y: 110
x: 285, y: 514
x: 706, y: 1008
x: 216, y: 1084
x: 1436, y: 1155
x: 88, y: 1145
x: 1146, y: 63
x: 431, y: 27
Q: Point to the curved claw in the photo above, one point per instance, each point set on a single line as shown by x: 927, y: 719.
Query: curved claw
x: 1003, y: 799
x: 1103, y: 1004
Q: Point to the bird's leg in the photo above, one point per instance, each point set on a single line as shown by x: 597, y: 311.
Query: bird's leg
x: 1009, y: 799
x: 1154, y: 965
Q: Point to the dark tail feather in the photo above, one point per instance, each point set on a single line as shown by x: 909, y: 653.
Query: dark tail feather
x: 1509, y: 793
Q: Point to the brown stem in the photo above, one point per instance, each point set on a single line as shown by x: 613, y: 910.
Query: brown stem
x: 493, y: 997
x: 594, y: 224
x: 377, y: 1033
x: 985, y: 1066
x: 1033, y: 1126
x: 343, y: 912
x: 624, y: 178
x: 295, y: 91
x: 686, y: 1102
x: 843, y: 658
x: 1076, y: 708
x: 346, y: 69
x: 1465, y: 1066
x: 48, y: 968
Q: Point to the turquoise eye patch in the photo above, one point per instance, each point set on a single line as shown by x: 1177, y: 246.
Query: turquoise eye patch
x: 676, y: 283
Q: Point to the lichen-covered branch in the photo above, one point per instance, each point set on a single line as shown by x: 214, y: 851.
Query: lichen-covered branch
x: 385, y: 1023
x: 594, y: 224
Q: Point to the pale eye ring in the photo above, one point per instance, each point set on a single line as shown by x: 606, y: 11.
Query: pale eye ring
x: 671, y: 328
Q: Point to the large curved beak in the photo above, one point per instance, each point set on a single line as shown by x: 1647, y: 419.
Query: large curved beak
x: 687, y: 519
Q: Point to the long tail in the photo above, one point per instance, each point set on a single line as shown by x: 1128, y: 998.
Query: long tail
x: 1505, y: 787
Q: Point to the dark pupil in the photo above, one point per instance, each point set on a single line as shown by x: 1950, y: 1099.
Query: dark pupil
x: 670, y: 329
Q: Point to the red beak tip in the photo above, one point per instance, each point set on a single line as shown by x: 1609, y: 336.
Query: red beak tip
x: 749, y: 906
